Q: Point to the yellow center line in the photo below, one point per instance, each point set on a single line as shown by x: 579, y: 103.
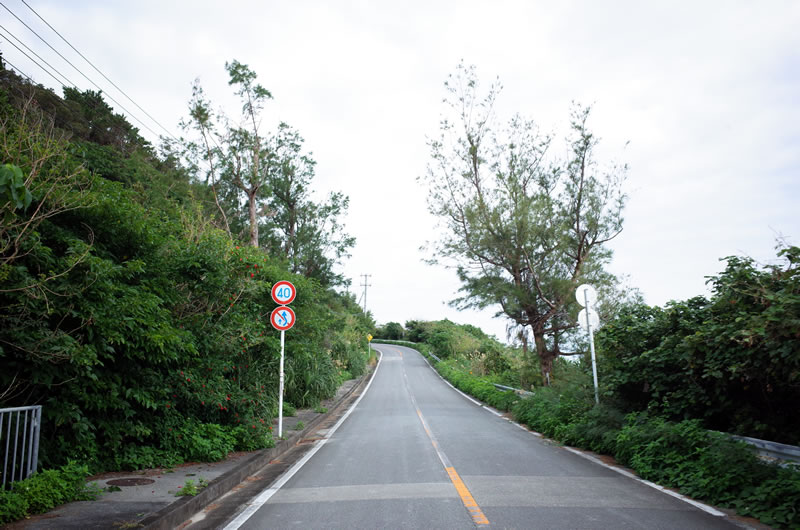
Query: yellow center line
x: 466, y: 497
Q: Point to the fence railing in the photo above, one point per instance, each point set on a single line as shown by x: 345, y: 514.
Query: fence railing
x: 772, y: 451
x: 19, y: 442
x: 517, y: 391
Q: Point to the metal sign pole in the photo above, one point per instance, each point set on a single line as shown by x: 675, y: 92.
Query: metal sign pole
x: 282, y: 318
x: 591, y: 345
x: 280, y: 392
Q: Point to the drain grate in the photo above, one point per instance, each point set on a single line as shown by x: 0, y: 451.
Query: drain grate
x: 130, y: 482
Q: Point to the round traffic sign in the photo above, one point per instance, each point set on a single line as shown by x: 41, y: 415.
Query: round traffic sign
x: 283, y: 292
x: 282, y: 318
x: 585, y: 292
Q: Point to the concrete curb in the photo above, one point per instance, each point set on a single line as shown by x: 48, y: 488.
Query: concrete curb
x: 180, y: 511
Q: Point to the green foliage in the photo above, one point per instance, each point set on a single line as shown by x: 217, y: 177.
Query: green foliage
x: 140, y: 327
x: 350, y: 350
x: 307, y: 234
x: 703, y: 464
x: 310, y: 378
x: 711, y: 466
x: 190, y: 489
x: 775, y: 501
x: 12, y: 187
x: 522, y: 227
x: 390, y: 331
x: 201, y: 442
x: 551, y: 410
x: 272, y: 175
x: 44, y: 491
x: 13, y: 506
x: 449, y: 339
x: 732, y: 361
x: 477, y: 387
x: 289, y: 409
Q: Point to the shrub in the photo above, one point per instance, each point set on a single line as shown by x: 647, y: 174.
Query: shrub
x: 356, y: 362
x: 732, y: 360
x: 44, y: 491
x: 476, y: 386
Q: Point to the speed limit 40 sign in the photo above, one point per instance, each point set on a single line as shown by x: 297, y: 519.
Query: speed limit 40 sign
x: 283, y: 292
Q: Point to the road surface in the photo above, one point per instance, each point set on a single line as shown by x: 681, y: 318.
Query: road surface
x: 414, y: 453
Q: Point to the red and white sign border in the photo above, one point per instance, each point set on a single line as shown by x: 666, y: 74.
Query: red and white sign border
x: 273, y: 317
x: 278, y: 285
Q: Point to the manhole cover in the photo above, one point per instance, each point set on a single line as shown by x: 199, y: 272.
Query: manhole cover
x: 130, y: 481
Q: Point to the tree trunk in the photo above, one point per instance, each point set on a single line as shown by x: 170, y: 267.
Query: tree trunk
x: 525, y: 380
x: 251, y: 196
x: 546, y: 357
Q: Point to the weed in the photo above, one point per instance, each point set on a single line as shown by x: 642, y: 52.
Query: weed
x: 191, y: 489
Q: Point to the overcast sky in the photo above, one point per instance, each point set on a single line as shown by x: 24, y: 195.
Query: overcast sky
x: 707, y: 93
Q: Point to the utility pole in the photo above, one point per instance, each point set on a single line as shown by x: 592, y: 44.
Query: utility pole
x: 365, y: 285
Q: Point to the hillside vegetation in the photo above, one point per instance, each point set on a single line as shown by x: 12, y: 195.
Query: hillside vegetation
x: 128, y: 312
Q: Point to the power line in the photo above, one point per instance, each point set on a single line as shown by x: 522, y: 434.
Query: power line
x: 98, y: 70
x: 79, y: 71
x: 37, y: 64
x: 38, y: 56
x: 59, y: 81
x: 29, y: 78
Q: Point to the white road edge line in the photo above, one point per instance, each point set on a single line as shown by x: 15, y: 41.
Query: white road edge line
x: 499, y: 414
x: 705, y: 507
x: 265, y: 495
x: 448, y: 382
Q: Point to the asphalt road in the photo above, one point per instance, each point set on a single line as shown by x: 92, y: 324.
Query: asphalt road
x: 415, y: 453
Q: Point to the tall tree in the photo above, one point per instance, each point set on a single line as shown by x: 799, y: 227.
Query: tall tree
x: 522, y: 228
x: 309, y: 235
x: 236, y: 153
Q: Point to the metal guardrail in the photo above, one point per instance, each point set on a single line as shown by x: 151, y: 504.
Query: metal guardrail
x: 20, y: 458
x: 517, y: 391
x: 769, y: 450
x: 772, y: 450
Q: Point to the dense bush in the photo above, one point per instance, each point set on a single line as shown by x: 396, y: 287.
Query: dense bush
x: 390, y: 331
x: 732, y: 360
x: 704, y: 464
x: 477, y: 387
x: 44, y: 491
x: 142, y: 329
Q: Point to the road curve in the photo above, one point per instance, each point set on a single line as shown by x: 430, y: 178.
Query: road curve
x: 414, y: 453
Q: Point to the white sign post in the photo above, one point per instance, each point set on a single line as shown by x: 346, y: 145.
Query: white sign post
x: 282, y: 318
x: 589, y: 320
